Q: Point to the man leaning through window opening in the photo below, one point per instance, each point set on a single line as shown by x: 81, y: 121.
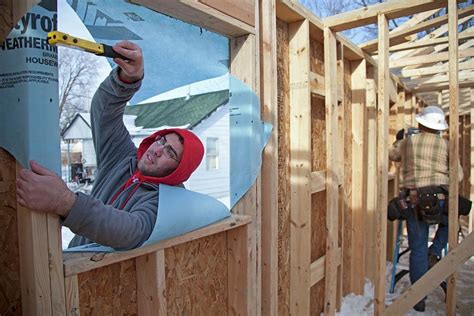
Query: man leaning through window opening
x: 424, y: 160
x: 122, y: 208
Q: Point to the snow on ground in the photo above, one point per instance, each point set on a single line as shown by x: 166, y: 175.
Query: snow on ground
x: 364, y: 305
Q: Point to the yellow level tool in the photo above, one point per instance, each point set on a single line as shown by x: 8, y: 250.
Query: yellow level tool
x: 63, y: 39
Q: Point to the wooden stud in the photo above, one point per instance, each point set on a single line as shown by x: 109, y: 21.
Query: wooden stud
x: 382, y: 164
x: 56, y: 267
x: 72, y: 296
x: 245, y: 65
x: 151, y: 284
x: 34, y: 261
x: 270, y: 159
x: 240, y: 271
x: 371, y: 175
x: 332, y: 209
x: 300, y: 167
x: 359, y: 175
x: 454, y: 55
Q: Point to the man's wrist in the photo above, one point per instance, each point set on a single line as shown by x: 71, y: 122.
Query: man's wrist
x: 69, y: 200
x: 128, y: 79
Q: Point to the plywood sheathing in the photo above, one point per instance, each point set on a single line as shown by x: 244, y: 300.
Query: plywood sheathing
x: 196, y: 277
x: 318, y: 235
x: 110, y: 290
x: 10, y: 288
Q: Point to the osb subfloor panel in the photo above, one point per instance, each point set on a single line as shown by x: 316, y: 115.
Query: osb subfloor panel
x: 283, y: 170
x: 10, y: 290
x: 111, y: 290
x: 196, y: 277
x: 318, y: 247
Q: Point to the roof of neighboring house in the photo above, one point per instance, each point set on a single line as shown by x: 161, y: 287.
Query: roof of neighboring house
x: 178, y: 112
x: 76, y: 130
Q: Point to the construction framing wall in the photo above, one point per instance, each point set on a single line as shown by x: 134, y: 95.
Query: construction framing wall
x: 313, y: 227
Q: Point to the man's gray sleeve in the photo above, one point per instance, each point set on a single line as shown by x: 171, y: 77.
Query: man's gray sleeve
x: 93, y: 220
x: 112, y: 141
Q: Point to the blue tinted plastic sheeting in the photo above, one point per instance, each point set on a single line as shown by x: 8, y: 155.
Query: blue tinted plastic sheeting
x: 29, y: 113
x: 175, y: 53
x: 179, y: 211
x: 248, y: 137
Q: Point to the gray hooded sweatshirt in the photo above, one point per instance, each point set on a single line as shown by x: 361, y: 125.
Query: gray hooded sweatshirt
x: 91, y: 218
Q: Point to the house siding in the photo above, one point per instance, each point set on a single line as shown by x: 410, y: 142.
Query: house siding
x: 214, y: 182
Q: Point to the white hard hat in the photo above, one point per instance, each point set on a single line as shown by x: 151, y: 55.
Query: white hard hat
x: 432, y: 117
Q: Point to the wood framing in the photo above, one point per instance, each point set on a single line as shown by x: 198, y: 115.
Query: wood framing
x: 454, y: 55
x: 435, y: 69
x: 429, y: 42
x: 201, y: 14
x: 429, y: 59
x: 300, y: 147
x: 313, y: 227
x: 368, y: 15
x: 359, y: 175
x: 400, y: 36
x: 332, y: 201
x: 382, y: 163
x: 270, y: 187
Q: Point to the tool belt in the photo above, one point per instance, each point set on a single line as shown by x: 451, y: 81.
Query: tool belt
x: 427, y: 203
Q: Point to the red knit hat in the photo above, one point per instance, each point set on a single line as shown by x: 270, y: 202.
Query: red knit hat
x: 193, y: 152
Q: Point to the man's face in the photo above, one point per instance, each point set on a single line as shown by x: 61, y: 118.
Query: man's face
x: 162, y: 157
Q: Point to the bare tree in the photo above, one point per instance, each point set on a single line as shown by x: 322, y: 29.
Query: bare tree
x: 76, y: 70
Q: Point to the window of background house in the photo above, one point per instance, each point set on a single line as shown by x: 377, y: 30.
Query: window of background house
x: 212, y: 153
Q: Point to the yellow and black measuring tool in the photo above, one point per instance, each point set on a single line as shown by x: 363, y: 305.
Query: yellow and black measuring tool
x: 63, y: 39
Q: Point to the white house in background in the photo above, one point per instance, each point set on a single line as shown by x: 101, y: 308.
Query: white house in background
x: 207, y: 114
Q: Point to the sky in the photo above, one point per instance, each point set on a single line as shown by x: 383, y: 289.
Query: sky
x: 176, y: 53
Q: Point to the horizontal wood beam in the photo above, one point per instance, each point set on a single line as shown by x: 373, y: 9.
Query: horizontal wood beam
x: 200, y: 14
x: 444, y: 86
x: 400, y: 36
x: 318, y: 267
x: 428, y: 59
x: 391, y: 9
x: 437, y: 79
x: 434, y: 69
x: 448, y: 265
x: 79, y: 262
x: 430, y: 42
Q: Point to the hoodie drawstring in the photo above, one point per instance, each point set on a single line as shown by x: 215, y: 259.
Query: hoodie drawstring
x: 127, y: 183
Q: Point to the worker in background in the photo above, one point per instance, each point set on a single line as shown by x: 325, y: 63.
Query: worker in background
x: 122, y: 208
x: 424, y: 160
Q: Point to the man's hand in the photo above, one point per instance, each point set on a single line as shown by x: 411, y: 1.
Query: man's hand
x: 42, y: 190
x: 131, y: 69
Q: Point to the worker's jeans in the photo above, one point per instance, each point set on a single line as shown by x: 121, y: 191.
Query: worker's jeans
x: 418, y: 243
